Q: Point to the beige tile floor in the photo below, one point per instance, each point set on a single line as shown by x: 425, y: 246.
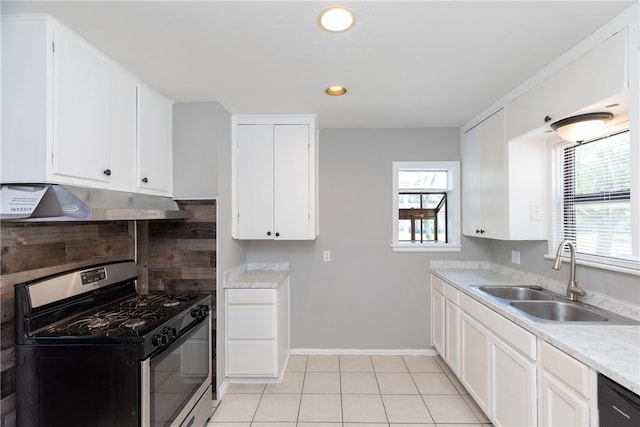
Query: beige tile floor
x: 353, y: 391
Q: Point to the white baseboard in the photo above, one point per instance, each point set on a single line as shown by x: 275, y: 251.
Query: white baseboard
x: 361, y: 352
x: 223, y: 389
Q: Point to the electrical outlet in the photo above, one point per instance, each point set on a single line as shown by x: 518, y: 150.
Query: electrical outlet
x: 515, y: 257
x: 535, y: 213
x: 326, y: 256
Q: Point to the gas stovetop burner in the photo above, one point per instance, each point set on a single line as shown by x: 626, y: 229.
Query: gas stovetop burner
x: 98, y: 322
x: 172, y: 302
x: 134, y: 323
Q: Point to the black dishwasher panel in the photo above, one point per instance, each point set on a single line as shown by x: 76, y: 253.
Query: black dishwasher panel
x: 618, y: 406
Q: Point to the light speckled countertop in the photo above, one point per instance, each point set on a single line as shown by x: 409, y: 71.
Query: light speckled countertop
x: 257, y: 276
x: 613, y: 350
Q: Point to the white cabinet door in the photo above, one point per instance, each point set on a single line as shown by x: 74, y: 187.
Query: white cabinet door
x: 438, y: 322
x: 81, y: 111
x: 484, y: 179
x: 155, y: 170
x: 471, y: 154
x: 255, y: 193
x: 475, y: 360
x: 252, y: 359
x: 292, y: 190
x: 494, y: 178
x: 274, y: 178
x: 513, y: 387
x: 124, y: 88
x: 452, y: 336
x: 561, y: 406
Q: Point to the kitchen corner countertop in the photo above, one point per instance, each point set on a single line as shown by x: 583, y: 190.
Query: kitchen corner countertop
x: 257, y: 276
x: 613, y: 350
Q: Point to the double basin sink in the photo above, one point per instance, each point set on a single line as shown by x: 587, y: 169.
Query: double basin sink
x: 542, y: 305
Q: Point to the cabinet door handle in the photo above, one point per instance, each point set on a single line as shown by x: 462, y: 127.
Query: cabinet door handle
x: 145, y: 179
x: 268, y: 233
x: 107, y: 172
x: 277, y: 234
x: 479, y: 231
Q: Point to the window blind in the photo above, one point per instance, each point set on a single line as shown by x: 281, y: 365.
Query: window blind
x: 593, y: 207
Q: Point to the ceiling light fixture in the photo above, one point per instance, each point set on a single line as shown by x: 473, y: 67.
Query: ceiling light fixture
x: 337, y: 19
x: 336, y: 90
x: 582, y: 127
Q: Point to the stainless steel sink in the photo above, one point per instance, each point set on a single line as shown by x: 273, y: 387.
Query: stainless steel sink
x: 568, y: 311
x: 517, y: 292
x: 559, y: 311
x: 542, y: 305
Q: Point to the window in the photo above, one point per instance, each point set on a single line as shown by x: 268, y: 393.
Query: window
x: 593, y: 206
x: 426, y: 206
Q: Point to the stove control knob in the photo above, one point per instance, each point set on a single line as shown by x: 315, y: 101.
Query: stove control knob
x: 171, y: 333
x: 200, y: 311
x: 159, y: 340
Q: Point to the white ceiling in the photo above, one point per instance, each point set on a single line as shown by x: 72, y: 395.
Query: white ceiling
x: 405, y: 63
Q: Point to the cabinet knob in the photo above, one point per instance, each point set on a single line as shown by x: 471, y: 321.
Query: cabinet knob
x: 268, y: 233
x: 479, y: 231
x: 547, y: 119
x: 145, y: 179
x: 107, y: 172
x: 277, y: 234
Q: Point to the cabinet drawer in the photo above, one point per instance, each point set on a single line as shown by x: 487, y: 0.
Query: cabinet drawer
x: 246, y: 358
x: 519, y: 338
x: 452, y: 294
x: 251, y: 296
x: 251, y: 322
x: 437, y: 284
x: 566, y: 368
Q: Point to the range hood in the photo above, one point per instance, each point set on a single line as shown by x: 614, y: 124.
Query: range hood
x: 56, y: 202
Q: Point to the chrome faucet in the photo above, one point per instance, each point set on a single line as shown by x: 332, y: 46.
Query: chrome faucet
x: 574, y: 290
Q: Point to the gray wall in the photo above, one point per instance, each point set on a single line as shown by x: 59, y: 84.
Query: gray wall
x: 194, y: 150
x: 618, y: 285
x: 367, y: 297
x: 202, y: 169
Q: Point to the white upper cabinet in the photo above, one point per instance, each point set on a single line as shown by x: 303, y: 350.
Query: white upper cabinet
x: 599, y: 74
x: 124, y: 128
x: 484, y: 179
x: 71, y: 115
x: 274, y: 177
x: 503, y: 184
x: 155, y: 170
x: 81, y: 110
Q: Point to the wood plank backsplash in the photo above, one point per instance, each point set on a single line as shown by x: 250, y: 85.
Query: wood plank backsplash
x: 173, y: 255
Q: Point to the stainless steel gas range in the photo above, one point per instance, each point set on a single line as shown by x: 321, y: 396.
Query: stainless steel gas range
x: 92, y: 352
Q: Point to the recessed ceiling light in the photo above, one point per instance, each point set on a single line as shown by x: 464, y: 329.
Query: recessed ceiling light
x: 336, y: 90
x: 337, y: 19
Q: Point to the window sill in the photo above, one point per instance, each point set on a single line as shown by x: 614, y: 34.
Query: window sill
x: 426, y: 248
x: 617, y: 266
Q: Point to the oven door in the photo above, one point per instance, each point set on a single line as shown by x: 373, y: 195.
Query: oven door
x: 177, y: 379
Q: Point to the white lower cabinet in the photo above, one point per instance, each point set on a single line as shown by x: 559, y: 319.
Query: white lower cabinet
x: 257, y: 332
x: 437, y: 315
x: 452, y: 330
x: 515, y: 378
x: 494, y: 358
x: 474, y: 372
x: 498, y: 365
x: 445, y: 324
x: 567, y: 390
